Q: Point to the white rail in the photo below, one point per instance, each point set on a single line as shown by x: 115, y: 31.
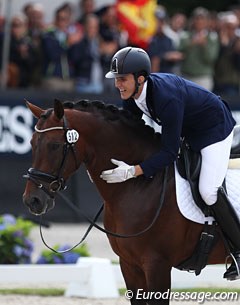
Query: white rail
x: 90, y: 277
x: 98, y: 278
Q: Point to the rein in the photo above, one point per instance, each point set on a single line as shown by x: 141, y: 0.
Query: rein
x: 57, y: 183
x: 93, y: 222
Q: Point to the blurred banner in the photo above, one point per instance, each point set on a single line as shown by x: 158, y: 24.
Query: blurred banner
x: 137, y: 18
x: 16, y: 123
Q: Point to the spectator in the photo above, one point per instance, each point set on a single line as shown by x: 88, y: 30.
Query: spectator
x: 161, y: 50
x: 2, y: 20
x: 227, y: 71
x: 213, y: 24
x: 74, y: 30
x: 55, y: 43
x: 235, y: 9
x: 85, y: 58
x: 110, y: 27
x: 86, y: 7
x: 35, y: 16
x: 111, y: 39
x: 176, y: 27
x: 36, y: 27
x: 27, y: 9
x: 200, y: 48
x: 21, y: 54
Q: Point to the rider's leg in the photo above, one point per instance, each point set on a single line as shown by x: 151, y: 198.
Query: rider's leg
x: 214, y: 166
x: 215, y: 159
x: 230, y: 226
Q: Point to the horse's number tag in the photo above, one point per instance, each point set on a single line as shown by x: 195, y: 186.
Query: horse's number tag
x: 72, y: 136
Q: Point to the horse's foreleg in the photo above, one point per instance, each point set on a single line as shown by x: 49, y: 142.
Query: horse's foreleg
x: 158, y: 278
x: 135, y: 281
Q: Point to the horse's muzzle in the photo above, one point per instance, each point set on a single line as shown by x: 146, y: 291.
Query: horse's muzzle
x: 37, y: 205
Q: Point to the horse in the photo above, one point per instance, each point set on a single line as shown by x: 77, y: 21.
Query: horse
x: 92, y: 133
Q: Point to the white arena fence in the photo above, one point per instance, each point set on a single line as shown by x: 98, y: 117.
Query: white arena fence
x: 97, y: 278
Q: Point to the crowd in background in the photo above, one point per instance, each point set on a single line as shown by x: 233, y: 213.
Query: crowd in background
x: 75, y: 53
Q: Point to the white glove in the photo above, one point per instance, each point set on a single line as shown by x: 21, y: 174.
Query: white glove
x: 119, y: 174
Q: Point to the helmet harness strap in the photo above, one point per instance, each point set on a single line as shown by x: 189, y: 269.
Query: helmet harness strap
x: 137, y: 84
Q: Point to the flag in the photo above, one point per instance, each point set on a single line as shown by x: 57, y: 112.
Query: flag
x: 138, y: 19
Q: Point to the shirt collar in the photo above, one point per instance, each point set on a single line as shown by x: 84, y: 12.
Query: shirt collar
x: 142, y: 97
x: 141, y: 100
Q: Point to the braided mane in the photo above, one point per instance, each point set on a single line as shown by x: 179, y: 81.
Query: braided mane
x: 113, y: 113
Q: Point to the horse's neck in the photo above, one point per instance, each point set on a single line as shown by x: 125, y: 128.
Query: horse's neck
x: 103, y: 141
x: 99, y: 155
x: 102, y: 146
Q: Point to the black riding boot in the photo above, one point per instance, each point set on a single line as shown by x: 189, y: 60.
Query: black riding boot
x: 228, y: 221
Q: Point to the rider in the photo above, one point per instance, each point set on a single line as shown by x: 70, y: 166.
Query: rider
x: 183, y: 109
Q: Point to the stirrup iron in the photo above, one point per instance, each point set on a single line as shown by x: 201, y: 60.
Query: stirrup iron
x: 235, y: 265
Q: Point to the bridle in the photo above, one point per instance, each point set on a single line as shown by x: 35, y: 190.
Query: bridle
x: 49, y: 183
x: 56, y: 183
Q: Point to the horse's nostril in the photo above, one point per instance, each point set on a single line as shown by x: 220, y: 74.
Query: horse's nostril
x: 35, y: 206
x: 34, y: 201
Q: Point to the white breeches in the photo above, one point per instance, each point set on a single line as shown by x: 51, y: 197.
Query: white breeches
x: 215, y: 160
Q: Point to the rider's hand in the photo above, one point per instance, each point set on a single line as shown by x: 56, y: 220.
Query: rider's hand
x: 121, y: 173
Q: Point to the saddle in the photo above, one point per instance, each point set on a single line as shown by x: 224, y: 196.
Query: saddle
x: 189, y: 166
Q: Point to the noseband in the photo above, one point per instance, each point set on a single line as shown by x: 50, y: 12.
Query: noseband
x: 55, y: 183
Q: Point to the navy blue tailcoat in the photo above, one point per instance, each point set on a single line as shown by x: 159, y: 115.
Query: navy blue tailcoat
x: 183, y: 109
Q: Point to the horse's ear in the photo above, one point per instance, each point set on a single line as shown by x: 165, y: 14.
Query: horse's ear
x: 58, y: 109
x: 36, y: 111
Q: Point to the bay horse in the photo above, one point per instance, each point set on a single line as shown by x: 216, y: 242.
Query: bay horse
x: 98, y: 133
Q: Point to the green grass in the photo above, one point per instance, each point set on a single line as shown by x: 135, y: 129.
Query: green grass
x: 60, y: 292
x: 34, y: 291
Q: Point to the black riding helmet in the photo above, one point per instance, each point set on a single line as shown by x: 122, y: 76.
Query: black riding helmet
x: 130, y: 60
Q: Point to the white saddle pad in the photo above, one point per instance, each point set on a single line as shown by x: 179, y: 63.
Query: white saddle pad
x: 185, y: 200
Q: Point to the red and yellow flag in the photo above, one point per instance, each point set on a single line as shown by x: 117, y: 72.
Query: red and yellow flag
x: 138, y: 19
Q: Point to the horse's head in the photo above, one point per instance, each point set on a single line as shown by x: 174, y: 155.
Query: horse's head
x: 54, y: 158
x: 57, y: 149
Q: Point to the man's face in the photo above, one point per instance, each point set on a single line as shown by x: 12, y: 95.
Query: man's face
x: 126, y: 85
